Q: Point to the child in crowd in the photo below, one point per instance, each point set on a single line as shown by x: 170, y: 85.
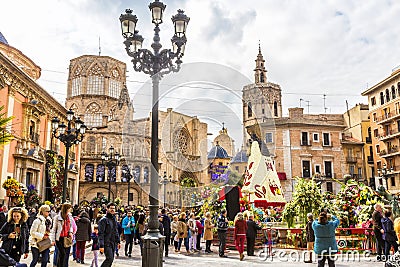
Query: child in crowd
x: 95, y: 246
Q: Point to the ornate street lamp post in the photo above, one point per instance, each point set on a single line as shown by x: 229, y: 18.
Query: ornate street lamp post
x: 156, y: 63
x: 165, y: 181
x: 68, y: 136
x: 128, y: 175
x: 385, y: 173
x: 112, y: 161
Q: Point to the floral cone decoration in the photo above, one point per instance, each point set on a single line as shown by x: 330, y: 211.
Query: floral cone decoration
x: 355, y: 203
x: 13, y: 189
x: 307, y: 198
x: 56, y: 172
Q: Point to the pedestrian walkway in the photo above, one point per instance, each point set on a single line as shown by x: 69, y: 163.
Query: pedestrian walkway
x: 282, y: 258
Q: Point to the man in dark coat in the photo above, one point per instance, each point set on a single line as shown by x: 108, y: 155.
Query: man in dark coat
x: 31, y: 218
x: 6, y: 260
x: 3, y: 215
x: 222, y: 224
x: 166, y: 222
x: 310, y: 237
x: 251, y: 234
x: 378, y: 231
x: 108, y: 235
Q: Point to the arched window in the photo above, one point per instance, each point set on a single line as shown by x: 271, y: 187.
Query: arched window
x: 115, y: 84
x: 249, y: 110
x: 125, y: 173
x: 76, y: 86
x: 382, y: 98
x: 261, y: 77
x: 89, y: 172
x: 275, y: 109
x: 138, y: 150
x: 398, y: 88
x: 393, y: 92
x: 146, y: 175
x: 387, y: 95
x: 93, y: 115
x: 100, y: 173
x: 183, y: 141
x: 95, y: 85
x: 126, y: 151
x: 112, y: 172
x: 76, y: 83
x: 91, y: 144
x: 137, y: 174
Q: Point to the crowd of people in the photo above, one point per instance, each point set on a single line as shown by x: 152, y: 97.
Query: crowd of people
x: 67, y: 228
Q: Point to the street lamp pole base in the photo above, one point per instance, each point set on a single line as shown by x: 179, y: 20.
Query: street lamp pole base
x: 153, y: 249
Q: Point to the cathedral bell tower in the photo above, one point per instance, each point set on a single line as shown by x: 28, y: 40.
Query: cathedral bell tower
x: 260, y: 73
x: 262, y: 101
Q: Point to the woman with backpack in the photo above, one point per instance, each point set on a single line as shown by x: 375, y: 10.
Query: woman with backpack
x: 83, y: 233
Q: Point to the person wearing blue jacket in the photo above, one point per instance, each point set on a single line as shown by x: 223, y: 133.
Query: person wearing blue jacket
x: 128, y: 224
x: 325, y: 245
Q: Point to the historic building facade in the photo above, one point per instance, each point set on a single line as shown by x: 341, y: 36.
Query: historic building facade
x: 384, y: 115
x: 97, y: 92
x: 357, y: 145
x: 303, y: 145
x: 32, y: 108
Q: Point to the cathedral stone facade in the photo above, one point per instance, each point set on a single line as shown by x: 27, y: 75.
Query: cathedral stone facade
x: 97, y: 92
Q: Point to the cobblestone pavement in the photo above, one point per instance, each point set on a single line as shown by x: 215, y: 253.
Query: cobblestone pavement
x: 282, y: 258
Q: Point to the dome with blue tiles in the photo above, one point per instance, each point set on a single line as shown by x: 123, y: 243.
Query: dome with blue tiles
x: 218, y: 152
x: 3, y: 39
x: 240, y: 157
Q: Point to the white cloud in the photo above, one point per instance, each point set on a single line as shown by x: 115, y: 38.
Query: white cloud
x: 311, y: 47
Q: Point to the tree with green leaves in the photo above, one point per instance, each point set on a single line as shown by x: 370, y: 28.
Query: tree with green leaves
x: 5, y: 135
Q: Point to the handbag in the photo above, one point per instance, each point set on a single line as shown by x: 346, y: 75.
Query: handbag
x: 43, y: 244
x: 67, y: 241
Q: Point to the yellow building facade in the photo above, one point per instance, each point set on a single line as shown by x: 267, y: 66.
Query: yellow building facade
x: 384, y: 114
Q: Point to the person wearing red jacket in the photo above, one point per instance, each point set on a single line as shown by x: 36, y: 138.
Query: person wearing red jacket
x: 240, y: 233
x: 200, y: 229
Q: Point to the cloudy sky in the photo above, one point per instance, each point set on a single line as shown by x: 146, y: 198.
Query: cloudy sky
x: 312, y: 48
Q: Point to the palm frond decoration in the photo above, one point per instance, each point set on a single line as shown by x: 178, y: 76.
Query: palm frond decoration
x: 5, y: 135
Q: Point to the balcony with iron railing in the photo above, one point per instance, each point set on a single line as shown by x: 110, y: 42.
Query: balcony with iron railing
x: 351, y: 159
x: 393, y: 151
x: 387, y: 117
x: 392, y: 133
